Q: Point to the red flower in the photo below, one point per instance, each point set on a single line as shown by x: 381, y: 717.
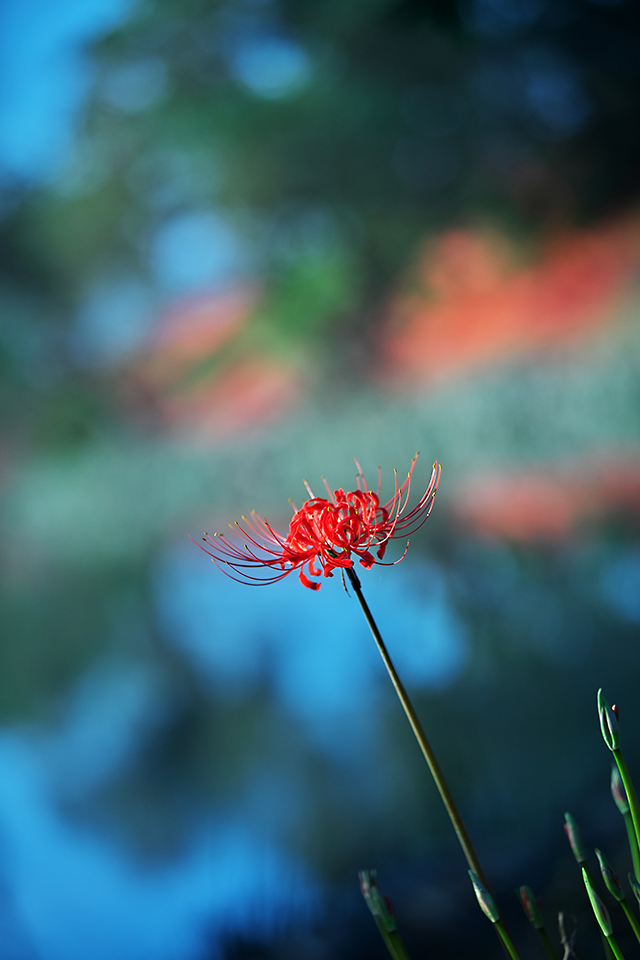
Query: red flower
x: 324, y: 533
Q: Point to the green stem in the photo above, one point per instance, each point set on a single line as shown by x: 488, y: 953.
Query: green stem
x: 631, y: 917
x: 394, y: 944
x: 632, y: 799
x: 507, y: 942
x: 430, y: 757
x: 425, y: 746
x: 401, y: 953
x: 544, y: 936
x: 633, y: 843
x: 615, y: 949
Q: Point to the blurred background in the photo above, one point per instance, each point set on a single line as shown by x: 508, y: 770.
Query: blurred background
x: 244, y: 241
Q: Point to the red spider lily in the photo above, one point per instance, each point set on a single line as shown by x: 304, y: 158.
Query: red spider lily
x: 324, y: 533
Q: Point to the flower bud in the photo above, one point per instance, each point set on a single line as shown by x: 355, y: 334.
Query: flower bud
x: 635, y: 886
x: 618, y: 792
x: 486, y: 901
x: 610, y: 877
x: 379, y: 905
x: 608, y: 723
x: 530, y: 906
x: 575, y: 839
x: 599, y: 909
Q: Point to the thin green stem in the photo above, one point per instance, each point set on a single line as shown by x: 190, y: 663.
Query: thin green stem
x: 615, y: 949
x: 544, y: 936
x: 633, y: 843
x: 632, y: 800
x: 430, y: 757
x: 507, y: 942
x: 631, y: 917
x: 425, y: 746
x: 394, y: 944
x: 401, y: 953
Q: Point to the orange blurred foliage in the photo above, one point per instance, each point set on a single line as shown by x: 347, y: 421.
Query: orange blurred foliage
x: 191, y: 331
x: 247, y: 394
x: 470, y: 305
x: 549, y: 505
x: 182, y: 379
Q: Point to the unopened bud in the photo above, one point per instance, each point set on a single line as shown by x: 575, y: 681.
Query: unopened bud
x: 379, y: 905
x: 635, y: 886
x: 486, y: 901
x: 600, y: 911
x: 610, y: 877
x: 618, y: 791
x: 575, y: 839
x: 608, y: 723
x: 530, y: 906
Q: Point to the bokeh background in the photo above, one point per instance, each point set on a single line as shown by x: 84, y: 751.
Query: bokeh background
x: 244, y: 241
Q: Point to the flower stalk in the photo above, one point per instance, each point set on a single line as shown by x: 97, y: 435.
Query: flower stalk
x: 631, y: 917
x: 620, y: 798
x: 634, y: 809
x: 427, y: 750
x: 475, y: 869
x: 611, y: 734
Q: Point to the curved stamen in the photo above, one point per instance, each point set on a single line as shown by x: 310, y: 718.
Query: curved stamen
x: 324, y: 533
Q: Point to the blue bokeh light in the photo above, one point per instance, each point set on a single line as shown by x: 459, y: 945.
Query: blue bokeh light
x: 322, y: 663
x: 270, y: 66
x: 45, y: 78
x: 196, y: 249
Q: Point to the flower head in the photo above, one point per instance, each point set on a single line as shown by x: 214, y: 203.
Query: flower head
x: 324, y: 534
